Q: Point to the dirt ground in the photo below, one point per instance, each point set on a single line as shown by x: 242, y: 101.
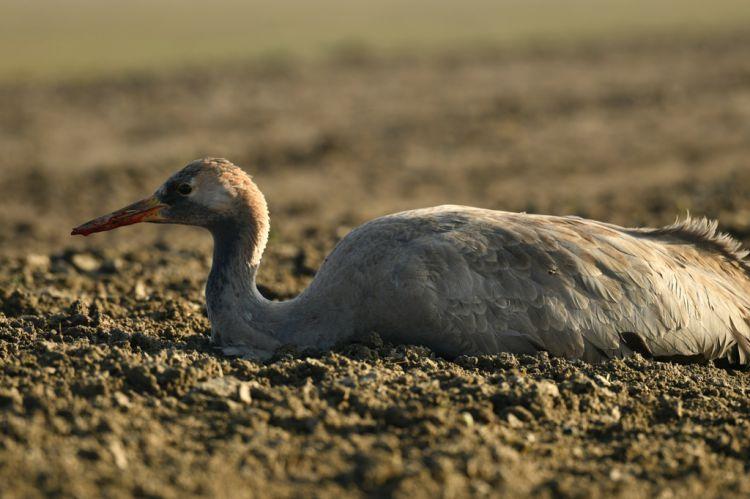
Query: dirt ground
x: 108, y: 384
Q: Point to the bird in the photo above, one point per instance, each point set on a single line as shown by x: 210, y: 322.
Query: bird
x: 466, y: 281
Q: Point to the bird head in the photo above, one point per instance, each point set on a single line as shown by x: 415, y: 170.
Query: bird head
x: 207, y: 193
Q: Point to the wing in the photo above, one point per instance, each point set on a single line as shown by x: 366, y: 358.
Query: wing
x: 578, y: 289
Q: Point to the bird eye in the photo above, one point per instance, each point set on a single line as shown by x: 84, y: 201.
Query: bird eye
x: 185, y: 189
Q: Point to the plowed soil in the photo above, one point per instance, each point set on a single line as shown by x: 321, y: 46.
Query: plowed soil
x: 108, y: 383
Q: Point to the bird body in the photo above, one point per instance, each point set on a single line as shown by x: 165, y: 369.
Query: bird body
x: 468, y: 281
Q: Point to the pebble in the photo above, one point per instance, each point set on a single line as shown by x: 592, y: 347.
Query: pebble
x: 602, y: 380
x: 244, y: 394
x: 220, y: 386
x: 37, y: 261
x: 139, y: 290
x: 547, y: 389
x: 615, y: 414
x: 616, y: 475
x: 121, y: 399
x: 85, y: 262
x: 118, y: 454
x: 513, y: 421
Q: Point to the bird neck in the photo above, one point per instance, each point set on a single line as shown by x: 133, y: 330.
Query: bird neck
x: 235, y: 306
x: 239, y: 314
x: 237, y: 255
x: 249, y: 228
x: 243, y: 321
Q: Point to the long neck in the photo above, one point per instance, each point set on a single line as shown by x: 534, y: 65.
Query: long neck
x: 235, y: 262
x: 239, y: 242
x: 235, y: 306
x: 241, y: 318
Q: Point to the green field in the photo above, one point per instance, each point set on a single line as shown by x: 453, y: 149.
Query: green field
x: 53, y: 39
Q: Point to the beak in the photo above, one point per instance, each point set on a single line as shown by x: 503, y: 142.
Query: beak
x: 146, y: 210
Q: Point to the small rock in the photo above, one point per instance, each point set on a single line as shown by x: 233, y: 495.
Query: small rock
x: 616, y: 475
x: 37, y: 261
x: 547, y: 388
x: 121, y: 399
x: 85, y: 262
x: 118, y: 454
x: 615, y: 414
x: 513, y: 421
x: 139, y: 290
x: 220, y: 386
x: 467, y: 418
x: 244, y: 394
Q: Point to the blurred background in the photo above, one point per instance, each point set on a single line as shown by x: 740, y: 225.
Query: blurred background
x: 631, y: 111
x: 91, y: 38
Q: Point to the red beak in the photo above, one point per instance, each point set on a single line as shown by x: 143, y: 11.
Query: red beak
x: 146, y: 210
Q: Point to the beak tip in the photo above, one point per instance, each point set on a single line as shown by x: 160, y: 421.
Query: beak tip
x: 146, y: 210
x: 81, y: 230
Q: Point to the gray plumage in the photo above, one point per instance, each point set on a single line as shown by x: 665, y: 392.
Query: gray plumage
x: 464, y: 280
x: 468, y: 281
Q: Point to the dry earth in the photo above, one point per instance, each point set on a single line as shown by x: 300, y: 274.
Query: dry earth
x: 108, y: 384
